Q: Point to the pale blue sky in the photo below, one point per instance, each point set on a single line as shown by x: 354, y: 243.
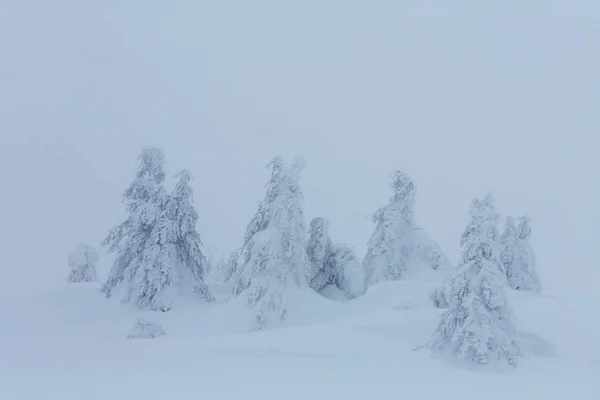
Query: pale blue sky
x: 465, y: 98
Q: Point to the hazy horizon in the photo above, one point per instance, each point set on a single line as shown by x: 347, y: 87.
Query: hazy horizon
x: 465, y: 99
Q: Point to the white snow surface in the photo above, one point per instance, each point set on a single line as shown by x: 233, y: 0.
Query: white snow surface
x: 70, y: 343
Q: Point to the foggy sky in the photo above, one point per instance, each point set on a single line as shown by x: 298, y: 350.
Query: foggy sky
x: 464, y: 98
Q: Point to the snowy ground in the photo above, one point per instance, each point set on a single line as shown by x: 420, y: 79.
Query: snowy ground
x: 71, y: 343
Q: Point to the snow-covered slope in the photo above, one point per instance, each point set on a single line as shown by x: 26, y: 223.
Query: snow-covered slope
x: 71, y: 344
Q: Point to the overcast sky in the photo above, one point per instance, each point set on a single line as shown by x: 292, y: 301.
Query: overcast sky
x: 464, y: 98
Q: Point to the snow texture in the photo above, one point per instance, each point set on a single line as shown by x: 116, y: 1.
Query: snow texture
x: 144, y: 329
x: 479, y: 325
x: 353, y: 350
x: 82, y: 264
x: 273, y: 259
x: 157, y: 246
x: 398, y: 248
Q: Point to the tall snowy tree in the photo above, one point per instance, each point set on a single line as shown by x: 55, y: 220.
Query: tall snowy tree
x: 398, y: 246
x: 157, y: 248
x: 273, y: 260
x: 260, y: 220
x: 189, y: 261
x: 479, y: 325
x: 82, y: 263
x: 332, y: 264
x: 521, y: 272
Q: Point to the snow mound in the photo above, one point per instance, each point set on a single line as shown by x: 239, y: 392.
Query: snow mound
x: 399, y: 295
x: 144, y: 329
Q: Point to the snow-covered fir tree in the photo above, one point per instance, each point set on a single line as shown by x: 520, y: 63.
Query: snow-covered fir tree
x: 441, y: 295
x: 273, y: 259
x: 158, y: 249
x: 521, y: 272
x: 189, y: 261
x: 260, y: 220
x: 232, y: 265
x: 332, y: 264
x: 346, y: 271
x: 220, y: 266
x: 479, y: 325
x: 398, y: 248
x: 82, y: 264
x: 508, y: 246
x: 318, y: 248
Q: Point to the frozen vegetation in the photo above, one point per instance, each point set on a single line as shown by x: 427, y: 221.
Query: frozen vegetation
x: 82, y: 264
x: 158, y: 248
x: 344, y: 322
x: 398, y: 248
x: 479, y: 325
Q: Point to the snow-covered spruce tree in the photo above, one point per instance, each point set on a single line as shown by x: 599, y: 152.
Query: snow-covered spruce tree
x: 189, y: 261
x: 318, y: 249
x: 273, y: 259
x: 397, y: 245
x: 232, y: 265
x: 441, y: 295
x: 508, y: 245
x: 332, y: 264
x: 479, y: 325
x: 220, y: 267
x: 82, y: 263
x: 521, y: 273
x: 158, y: 250
x: 260, y: 220
x: 346, y: 271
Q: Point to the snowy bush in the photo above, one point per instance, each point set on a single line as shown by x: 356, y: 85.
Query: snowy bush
x: 144, y: 329
x: 158, y: 248
x: 398, y: 246
x: 479, y: 325
x: 82, y: 263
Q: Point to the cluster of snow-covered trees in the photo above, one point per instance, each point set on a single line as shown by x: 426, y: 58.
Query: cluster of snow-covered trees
x: 158, y: 249
x: 479, y: 325
x: 159, y: 256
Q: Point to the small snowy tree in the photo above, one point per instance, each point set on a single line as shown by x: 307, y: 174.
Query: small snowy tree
x: 332, y: 264
x: 479, y: 325
x: 442, y: 294
x: 508, y: 244
x: 521, y: 272
x: 144, y: 329
x: 273, y: 259
x: 82, y: 263
x: 318, y: 249
x: 158, y: 250
x: 232, y: 265
x: 346, y: 270
x: 398, y: 245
